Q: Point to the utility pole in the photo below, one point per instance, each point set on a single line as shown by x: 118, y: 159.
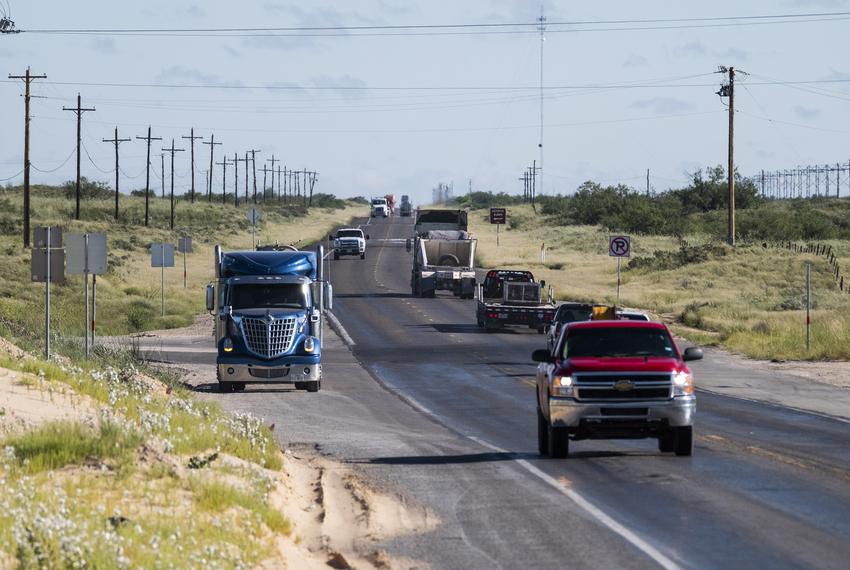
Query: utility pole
x: 313, y: 177
x: 28, y: 79
x: 534, y: 170
x: 728, y: 90
x: 273, y: 160
x: 148, y: 138
x: 212, y: 144
x: 254, y: 168
x: 162, y: 172
x: 192, y: 138
x: 223, y: 165
x: 304, y: 186
x: 172, y: 150
x: 542, y: 29
x: 285, y: 178
x: 117, y: 141
x: 265, y: 181
x: 79, y: 111
x: 246, y: 160
x: 235, y: 179
x: 278, y: 183
x: 647, y: 183
x: 524, y: 180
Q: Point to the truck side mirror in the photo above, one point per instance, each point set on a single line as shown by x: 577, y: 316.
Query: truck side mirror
x: 367, y: 236
x: 542, y: 355
x: 329, y: 297
x: 210, y: 297
x: 542, y: 283
x: 692, y: 353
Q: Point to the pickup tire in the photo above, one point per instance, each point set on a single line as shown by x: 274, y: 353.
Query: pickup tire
x: 362, y: 256
x: 314, y: 386
x: 683, y: 441
x: 666, y: 442
x: 542, y: 433
x: 558, y: 442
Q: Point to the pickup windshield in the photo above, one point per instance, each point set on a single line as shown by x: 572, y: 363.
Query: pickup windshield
x: 618, y: 343
x: 268, y: 296
x: 349, y: 234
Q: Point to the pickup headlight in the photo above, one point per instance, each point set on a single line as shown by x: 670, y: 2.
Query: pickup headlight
x: 227, y: 345
x: 309, y: 344
x: 561, y: 386
x: 683, y: 384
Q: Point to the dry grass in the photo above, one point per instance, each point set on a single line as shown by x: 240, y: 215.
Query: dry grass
x: 748, y: 299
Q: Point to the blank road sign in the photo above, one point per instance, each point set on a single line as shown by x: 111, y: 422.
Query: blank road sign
x: 254, y: 216
x: 80, y: 261
x: 162, y: 255
x: 40, y: 237
x: 39, y: 265
x: 619, y: 246
x: 184, y: 245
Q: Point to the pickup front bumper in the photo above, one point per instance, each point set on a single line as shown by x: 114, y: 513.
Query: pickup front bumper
x: 638, y: 416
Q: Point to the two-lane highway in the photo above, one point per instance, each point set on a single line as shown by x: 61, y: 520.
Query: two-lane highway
x: 768, y: 486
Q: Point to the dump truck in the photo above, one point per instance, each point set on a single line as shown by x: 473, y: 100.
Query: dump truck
x: 406, y: 208
x: 514, y: 298
x: 268, y: 309
x: 443, y: 254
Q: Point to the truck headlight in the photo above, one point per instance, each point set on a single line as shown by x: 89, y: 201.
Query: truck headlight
x: 683, y: 384
x: 309, y: 344
x: 227, y: 345
x: 561, y: 386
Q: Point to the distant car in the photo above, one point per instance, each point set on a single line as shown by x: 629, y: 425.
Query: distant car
x: 566, y: 313
x: 632, y: 316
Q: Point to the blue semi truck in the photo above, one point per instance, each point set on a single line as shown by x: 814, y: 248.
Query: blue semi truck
x: 269, y: 308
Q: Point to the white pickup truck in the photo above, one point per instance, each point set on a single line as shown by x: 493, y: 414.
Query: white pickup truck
x: 349, y: 241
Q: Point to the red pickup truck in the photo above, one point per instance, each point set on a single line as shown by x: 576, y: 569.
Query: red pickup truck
x: 615, y: 380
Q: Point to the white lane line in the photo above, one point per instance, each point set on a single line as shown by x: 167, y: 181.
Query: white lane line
x: 340, y: 330
x: 595, y: 512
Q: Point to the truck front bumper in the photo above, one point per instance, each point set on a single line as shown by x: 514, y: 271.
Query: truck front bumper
x: 599, y: 416
x: 254, y: 373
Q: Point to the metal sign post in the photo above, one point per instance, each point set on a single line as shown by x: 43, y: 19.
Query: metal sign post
x: 87, y: 256
x: 254, y: 216
x: 320, y: 253
x: 619, y: 247
x: 162, y: 256
x: 184, y: 246
x: 808, y: 306
x: 48, y: 266
x: 498, y: 216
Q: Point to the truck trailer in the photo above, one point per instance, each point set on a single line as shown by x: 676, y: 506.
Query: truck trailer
x: 269, y: 311
x: 443, y: 254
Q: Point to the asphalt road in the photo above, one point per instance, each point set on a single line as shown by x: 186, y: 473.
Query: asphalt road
x: 444, y: 413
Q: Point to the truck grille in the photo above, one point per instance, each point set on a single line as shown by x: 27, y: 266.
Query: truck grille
x: 269, y: 337
x: 623, y: 387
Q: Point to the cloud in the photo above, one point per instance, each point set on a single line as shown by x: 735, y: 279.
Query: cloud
x: 690, y: 49
x: 232, y: 52
x: 103, y: 45
x: 288, y: 86
x: 196, y: 11
x: 345, y: 85
x: 733, y: 54
x: 806, y: 113
x: 842, y: 79
x: 663, y: 105
x: 183, y: 74
x: 397, y: 8
x: 635, y: 60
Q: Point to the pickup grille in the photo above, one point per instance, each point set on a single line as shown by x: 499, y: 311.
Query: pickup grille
x: 268, y: 337
x: 623, y: 387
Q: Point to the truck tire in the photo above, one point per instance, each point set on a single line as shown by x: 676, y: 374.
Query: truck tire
x: 665, y: 442
x: 558, y: 442
x: 336, y: 256
x: 314, y: 386
x: 542, y: 433
x: 683, y: 441
x: 362, y: 256
x: 449, y: 260
x: 300, y: 385
x: 225, y: 387
x: 429, y: 294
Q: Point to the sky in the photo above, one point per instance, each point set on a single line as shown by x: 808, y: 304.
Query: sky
x: 401, y: 112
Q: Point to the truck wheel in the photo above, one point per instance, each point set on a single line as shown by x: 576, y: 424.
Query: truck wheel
x: 314, y: 386
x: 336, y: 256
x: 225, y: 387
x: 449, y: 260
x: 429, y: 293
x: 362, y: 256
x: 558, y: 440
x: 665, y: 442
x: 683, y: 441
x: 238, y: 386
x: 542, y: 433
x: 300, y: 385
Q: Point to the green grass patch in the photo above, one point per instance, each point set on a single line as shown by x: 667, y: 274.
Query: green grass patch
x: 217, y: 496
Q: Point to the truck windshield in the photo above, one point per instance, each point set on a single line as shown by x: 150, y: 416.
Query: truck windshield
x: 349, y: 234
x: 268, y: 296
x: 618, y: 343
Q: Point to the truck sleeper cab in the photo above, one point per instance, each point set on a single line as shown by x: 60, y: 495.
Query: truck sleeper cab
x: 267, y: 319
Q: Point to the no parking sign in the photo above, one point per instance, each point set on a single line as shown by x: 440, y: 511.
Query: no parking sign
x: 619, y: 246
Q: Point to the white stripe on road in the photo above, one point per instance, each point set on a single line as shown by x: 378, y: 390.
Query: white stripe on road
x: 346, y: 338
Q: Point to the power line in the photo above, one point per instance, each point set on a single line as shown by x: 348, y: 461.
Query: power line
x: 58, y: 167
x: 15, y: 176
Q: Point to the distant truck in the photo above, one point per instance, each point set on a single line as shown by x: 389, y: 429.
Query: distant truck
x: 349, y: 241
x: 615, y: 379
x: 443, y: 254
x: 380, y: 208
x: 390, y: 198
x: 268, y: 308
x: 406, y: 208
x: 514, y: 298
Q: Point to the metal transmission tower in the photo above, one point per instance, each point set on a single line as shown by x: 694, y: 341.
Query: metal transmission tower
x: 192, y: 138
x: 172, y: 150
x: 212, y: 144
x: 79, y: 111
x: 28, y: 79
x: 148, y: 138
x: 117, y: 142
x: 541, y: 27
